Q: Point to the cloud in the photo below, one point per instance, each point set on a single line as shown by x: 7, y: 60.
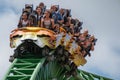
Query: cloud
x: 8, y: 21
x: 103, y: 61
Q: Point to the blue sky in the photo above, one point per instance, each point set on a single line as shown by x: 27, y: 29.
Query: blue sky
x: 100, y: 17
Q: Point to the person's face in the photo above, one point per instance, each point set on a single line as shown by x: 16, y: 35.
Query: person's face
x: 91, y: 38
x: 47, y: 14
x: 38, y: 10
x: 24, y: 16
x: 61, y: 11
x: 86, y: 32
x: 53, y: 8
x: 41, y: 5
x: 57, y: 26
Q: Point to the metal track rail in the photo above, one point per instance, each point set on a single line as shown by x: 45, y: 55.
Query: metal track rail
x: 24, y: 69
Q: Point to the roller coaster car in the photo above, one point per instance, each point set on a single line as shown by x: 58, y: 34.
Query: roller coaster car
x: 39, y: 41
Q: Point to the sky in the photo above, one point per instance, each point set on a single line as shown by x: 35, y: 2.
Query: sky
x: 100, y: 17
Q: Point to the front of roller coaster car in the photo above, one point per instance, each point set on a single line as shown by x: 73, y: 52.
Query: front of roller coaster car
x: 40, y: 36
x: 34, y: 38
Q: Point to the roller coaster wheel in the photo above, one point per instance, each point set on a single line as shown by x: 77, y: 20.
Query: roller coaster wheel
x: 45, y: 51
x: 11, y: 58
x: 60, y: 50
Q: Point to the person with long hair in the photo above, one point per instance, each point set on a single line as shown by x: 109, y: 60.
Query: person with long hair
x: 23, y: 21
x: 46, y: 21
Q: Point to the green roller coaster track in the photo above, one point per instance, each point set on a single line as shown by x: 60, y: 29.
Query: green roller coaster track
x: 36, y: 69
x: 24, y: 69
